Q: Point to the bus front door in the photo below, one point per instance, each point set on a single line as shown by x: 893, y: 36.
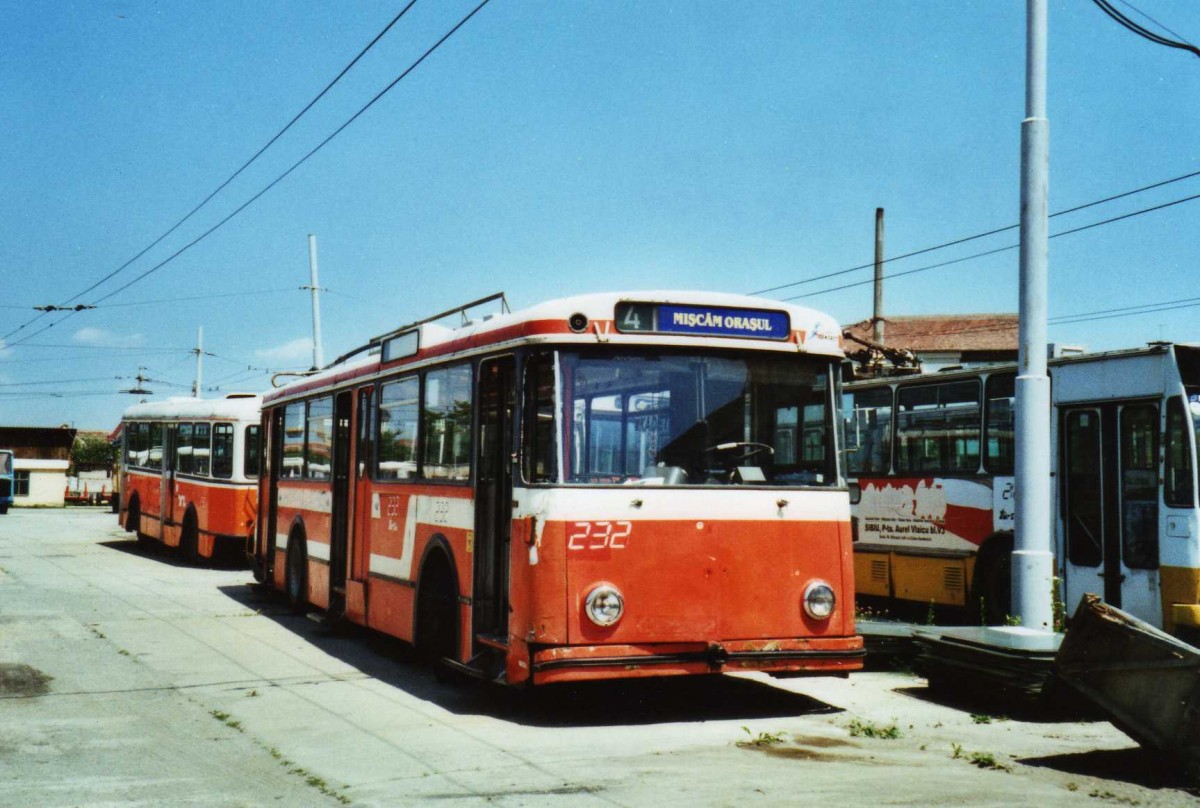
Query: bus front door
x: 493, y: 500
x: 1109, y: 506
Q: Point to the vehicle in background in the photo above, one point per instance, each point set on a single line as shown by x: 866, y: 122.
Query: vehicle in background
x: 7, y: 480
x: 189, y: 471
x: 931, y: 458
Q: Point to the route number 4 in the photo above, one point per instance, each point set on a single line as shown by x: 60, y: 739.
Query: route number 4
x: 598, y: 535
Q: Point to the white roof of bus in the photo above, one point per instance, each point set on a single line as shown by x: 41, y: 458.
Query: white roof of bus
x: 238, y: 408
x: 822, y: 334
x: 601, y: 307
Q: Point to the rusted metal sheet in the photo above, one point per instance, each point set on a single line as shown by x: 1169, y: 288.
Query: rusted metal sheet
x: 1145, y: 681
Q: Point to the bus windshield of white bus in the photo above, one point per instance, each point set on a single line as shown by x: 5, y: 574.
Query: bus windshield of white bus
x: 697, y: 419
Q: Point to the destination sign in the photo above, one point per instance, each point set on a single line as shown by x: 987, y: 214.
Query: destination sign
x: 717, y: 321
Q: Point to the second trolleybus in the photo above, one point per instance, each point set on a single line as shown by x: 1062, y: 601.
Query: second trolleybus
x: 932, y: 461
x: 596, y: 487
x: 189, y: 472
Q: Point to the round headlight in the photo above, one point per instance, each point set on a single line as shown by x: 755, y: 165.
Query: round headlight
x: 819, y: 600
x: 604, y: 605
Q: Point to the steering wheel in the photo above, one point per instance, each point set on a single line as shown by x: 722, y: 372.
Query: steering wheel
x: 750, y: 448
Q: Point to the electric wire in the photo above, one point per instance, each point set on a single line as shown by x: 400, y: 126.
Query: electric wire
x: 235, y: 174
x: 1145, y: 33
x: 299, y: 162
x: 984, y: 234
x: 1000, y: 249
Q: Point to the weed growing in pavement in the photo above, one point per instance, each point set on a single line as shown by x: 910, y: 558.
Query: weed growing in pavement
x: 984, y: 760
x: 869, y: 729
x: 980, y: 718
x: 762, y: 739
x: 123, y: 652
x: 1111, y: 797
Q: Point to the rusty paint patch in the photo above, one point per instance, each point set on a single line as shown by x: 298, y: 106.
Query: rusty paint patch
x: 22, y: 681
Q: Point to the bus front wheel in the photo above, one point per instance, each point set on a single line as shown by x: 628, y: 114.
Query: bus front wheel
x: 296, y: 574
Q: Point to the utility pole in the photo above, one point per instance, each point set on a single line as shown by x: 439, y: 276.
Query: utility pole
x: 1033, y: 559
x: 318, y: 355
x: 877, y: 317
x: 199, y: 360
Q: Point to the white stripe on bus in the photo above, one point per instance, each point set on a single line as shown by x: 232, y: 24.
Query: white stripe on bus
x: 306, y: 499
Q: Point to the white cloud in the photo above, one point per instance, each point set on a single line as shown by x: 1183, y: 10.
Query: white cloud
x: 107, y: 339
x: 296, y: 352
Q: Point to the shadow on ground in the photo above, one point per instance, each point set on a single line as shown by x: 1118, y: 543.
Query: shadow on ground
x: 1133, y: 765
x: 609, y: 703
x: 169, y: 555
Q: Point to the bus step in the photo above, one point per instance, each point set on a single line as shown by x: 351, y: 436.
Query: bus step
x: 492, y: 641
x: 461, y: 669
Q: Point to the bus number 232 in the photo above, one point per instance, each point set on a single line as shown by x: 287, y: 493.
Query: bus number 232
x: 598, y: 535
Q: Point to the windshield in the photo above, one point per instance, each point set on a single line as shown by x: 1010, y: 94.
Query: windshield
x: 697, y: 419
x: 6, y: 463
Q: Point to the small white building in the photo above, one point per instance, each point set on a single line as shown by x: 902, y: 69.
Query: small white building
x: 39, y: 483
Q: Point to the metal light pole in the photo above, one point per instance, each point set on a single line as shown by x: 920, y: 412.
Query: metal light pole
x: 318, y: 354
x: 1033, y: 559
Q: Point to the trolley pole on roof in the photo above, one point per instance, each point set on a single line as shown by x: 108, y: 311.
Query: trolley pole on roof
x: 1033, y: 559
x: 314, y: 287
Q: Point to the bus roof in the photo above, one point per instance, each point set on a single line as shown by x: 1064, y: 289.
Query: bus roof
x: 235, y: 407
x: 721, y: 320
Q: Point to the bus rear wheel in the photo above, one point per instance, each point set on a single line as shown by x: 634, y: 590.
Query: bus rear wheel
x: 991, y: 585
x: 296, y: 574
x: 189, y: 539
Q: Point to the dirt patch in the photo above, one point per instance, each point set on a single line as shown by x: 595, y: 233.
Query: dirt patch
x: 22, y: 681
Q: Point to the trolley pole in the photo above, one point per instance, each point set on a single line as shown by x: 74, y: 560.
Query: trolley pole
x: 1033, y: 559
x: 314, y: 287
x: 199, y: 360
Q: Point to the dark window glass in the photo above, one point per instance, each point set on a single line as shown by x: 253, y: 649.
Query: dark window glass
x: 399, y: 408
x: 319, y: 440
x: 222, y: 451
x: 366, y: 430
x: 1084, y: 513
x: 154, y: 453
x: 538, y: 455
x: 1001, y: 394
x: 446, y: 424
x: 253, y: 453
x: 183, y: 448
x: 869, y: 431
x: 1179, y: 477
x: 937, y: 428
x: 21, y: 483
x: 1139, y: 486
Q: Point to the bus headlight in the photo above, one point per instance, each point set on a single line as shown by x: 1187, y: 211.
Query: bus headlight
x: 604, y: 605
x: 819, y: 600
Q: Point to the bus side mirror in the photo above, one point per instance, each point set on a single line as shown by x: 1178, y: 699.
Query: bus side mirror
x: 855, y: 493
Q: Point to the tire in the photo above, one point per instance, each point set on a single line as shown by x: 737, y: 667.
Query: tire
x: 189, y: 539
x: 295, y: 584
x: 4, y: 509
x: 133, y: 519
x: 437, y: 612
x: 991, y: 587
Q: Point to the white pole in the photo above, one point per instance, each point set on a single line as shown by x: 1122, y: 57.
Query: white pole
x: 199, y: 361
x: 318, y: 356
x: 1033, y: 558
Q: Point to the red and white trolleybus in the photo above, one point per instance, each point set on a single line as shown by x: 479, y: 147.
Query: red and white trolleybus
x: 190, y: 474
x: 597, y: 487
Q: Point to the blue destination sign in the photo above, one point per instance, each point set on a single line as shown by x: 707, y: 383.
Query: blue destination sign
x: 718, y: 321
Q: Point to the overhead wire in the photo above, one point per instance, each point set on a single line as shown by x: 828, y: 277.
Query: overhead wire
x: 977, y: 236
x: 1144, y: 33
x: 233, y: 176
x: 301, y: 161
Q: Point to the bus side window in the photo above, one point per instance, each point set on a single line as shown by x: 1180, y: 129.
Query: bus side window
x: 1001, y: 393
x: 399, y: 411
x: 183, y: 448
x: 293, y: 440
x: 201, y: 448
x: 1178, y: 485
x: 222, y: 451
x: 937, y: 428
x: 869, y: 431
x: 319, y: 439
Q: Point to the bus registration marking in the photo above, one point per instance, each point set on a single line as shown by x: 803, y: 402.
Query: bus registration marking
x: 598, y: 535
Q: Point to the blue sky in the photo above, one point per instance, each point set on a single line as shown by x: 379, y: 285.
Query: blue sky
x: 551, y: 148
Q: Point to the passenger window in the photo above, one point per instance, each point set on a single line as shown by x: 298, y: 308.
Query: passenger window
x: 869, y: 431
x: 1179, y: 485
x: 222, y: 451
x: 937, y: 428
x: 446, y: 413
x: 399, y: 409
x: 319, y: 439
x: 293, y: 440
x: 1001, y: 395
